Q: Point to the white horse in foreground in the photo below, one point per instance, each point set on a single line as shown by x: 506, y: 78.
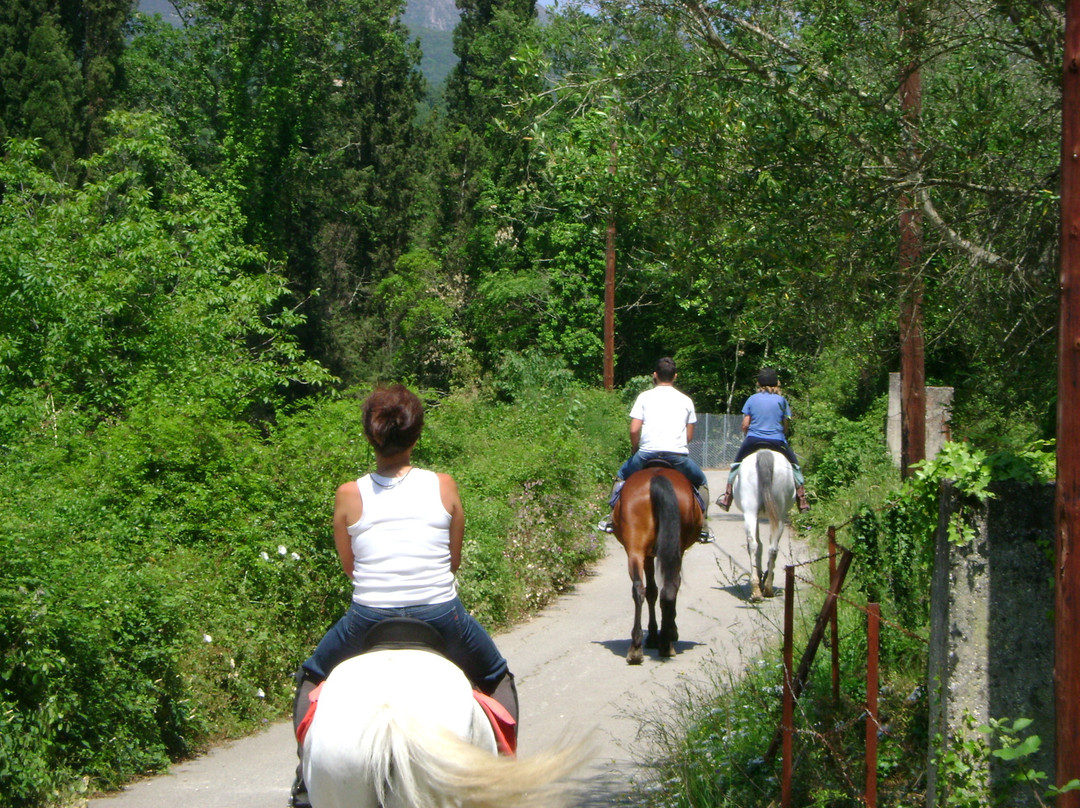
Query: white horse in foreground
x: 401, y: 729
x: 765, y: 482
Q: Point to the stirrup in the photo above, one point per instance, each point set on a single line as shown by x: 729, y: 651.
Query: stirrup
x: 706, y: 535
x: 605, y: 526
x: 804, y: 506
x: 298, y: 796
x: 724, y: 500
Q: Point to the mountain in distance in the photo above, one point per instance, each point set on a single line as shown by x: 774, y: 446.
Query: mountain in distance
x: 162, y: 7
x: 433, y: 22
x: 430, y: 21
x: 433, y: 15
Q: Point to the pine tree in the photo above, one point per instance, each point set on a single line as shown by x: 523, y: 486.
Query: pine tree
x: 59, y: 72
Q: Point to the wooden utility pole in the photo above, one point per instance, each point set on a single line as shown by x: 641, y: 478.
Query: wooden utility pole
x: 912, y: 351
x: 1067, y: 494
x: 609, y: 290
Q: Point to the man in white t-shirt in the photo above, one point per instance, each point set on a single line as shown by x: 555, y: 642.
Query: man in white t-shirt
x: 661, y: 425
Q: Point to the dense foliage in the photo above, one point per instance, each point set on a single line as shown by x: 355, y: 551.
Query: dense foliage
x: 751, y: 157
x: 760, y: 166
x: 210, y: 231
x: 134, y: 286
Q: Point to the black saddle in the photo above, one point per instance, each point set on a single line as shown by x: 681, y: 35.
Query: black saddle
x: 658, y: 463
x: 396, y: 633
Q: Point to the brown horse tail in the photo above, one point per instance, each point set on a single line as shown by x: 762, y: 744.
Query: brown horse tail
x: 668, y: 517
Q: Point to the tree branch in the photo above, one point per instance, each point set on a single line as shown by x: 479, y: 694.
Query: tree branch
x: 976, y: 252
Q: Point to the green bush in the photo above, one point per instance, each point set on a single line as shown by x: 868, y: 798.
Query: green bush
x: 165, y: 574
x: 852, y: 449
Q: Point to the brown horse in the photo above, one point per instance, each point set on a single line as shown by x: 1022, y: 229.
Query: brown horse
x: 656, y: 518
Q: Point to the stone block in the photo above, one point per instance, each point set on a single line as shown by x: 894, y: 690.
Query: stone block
x: 938, y: 415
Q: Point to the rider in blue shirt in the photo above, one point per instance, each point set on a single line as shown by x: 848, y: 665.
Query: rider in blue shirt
x: 766, y: 422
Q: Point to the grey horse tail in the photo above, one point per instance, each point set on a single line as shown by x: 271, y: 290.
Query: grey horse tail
x: 765, y: 475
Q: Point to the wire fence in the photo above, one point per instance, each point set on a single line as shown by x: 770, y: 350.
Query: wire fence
x: 716, y: 440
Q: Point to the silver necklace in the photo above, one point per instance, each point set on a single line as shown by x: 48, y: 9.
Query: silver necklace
x: 394, y: 481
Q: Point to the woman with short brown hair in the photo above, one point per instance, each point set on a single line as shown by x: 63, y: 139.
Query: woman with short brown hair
x: 398, y: 532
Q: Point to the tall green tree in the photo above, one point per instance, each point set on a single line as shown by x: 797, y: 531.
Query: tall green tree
x: 41, y: 89
x: 528, y: 258
x: 307, y: 110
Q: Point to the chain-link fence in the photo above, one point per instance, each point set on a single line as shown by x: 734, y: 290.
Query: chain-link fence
x: 716, y: 440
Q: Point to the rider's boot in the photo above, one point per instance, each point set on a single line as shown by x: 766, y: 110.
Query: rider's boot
x: 298, y: 797
x: 706, y: 534
x: 506, y: 694
x: 724, y: 500
x: 606, y: 525
x: 800, y: 499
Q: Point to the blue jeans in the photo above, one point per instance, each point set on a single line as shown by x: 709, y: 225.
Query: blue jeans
x: 680, y: 462
x: 467, y: 644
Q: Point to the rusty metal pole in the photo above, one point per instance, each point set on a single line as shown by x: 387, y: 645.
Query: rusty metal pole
x: 609, y: 290
x: 834, y: 624
x: 802, y: 675
x: 912, y: 340
x: 1067, y: 496
x: 873, y: 628
x: 789, y: 685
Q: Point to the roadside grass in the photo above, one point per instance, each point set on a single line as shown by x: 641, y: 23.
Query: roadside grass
x: 711, y: 750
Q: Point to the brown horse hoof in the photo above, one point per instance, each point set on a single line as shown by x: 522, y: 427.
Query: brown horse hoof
x: 635, y: 656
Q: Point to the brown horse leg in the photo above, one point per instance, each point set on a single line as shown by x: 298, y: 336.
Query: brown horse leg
x: 635, y: 655
x: 637, y: 590
x: 652, y: 640
x: 669, y: 631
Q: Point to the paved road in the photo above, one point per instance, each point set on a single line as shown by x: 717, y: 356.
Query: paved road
x: 572, y: 679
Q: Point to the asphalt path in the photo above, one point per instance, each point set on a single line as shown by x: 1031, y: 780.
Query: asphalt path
x: 572, y: 676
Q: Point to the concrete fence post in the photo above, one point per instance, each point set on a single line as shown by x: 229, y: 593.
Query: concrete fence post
x: 992, y: 630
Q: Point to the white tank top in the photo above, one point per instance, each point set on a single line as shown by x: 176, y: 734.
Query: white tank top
x: 401, y: 543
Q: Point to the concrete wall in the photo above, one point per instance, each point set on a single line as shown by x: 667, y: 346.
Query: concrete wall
x: 991, y: 625
x: 938, y: 414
